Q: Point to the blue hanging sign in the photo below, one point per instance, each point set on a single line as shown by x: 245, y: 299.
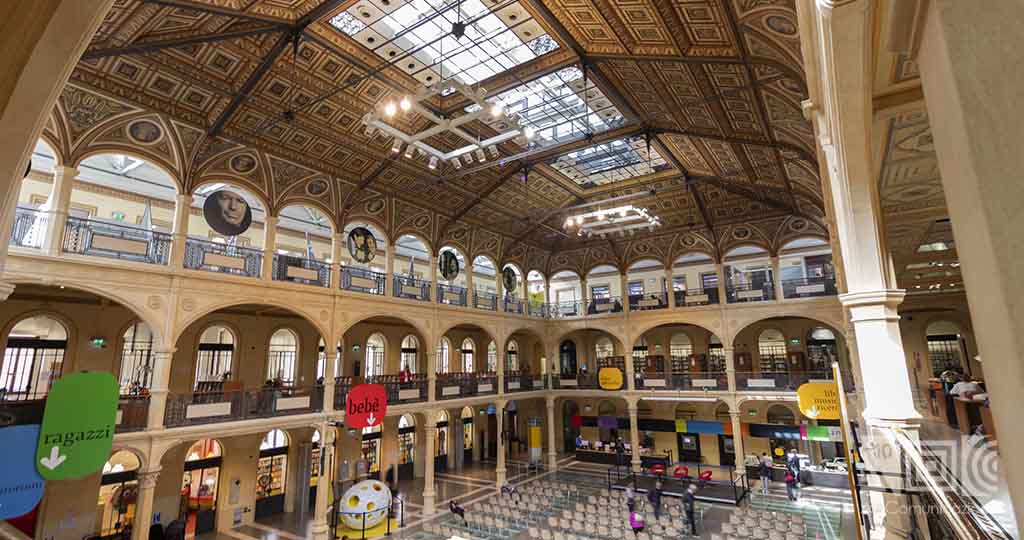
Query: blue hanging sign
x: 21, y: 486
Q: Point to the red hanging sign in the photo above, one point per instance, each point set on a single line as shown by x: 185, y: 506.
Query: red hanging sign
x: 576, y: 420
x: 366, y: 406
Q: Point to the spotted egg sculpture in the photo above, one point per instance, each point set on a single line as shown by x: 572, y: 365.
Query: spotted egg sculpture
x: 365, y: 504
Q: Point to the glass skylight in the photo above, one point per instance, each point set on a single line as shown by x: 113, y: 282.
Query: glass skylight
x: 608, y: 162
x: 416, y: 36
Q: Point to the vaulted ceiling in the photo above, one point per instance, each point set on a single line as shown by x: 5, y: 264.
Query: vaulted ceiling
x: 706, y: 92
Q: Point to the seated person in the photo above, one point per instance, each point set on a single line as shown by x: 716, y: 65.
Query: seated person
x: 966, y: 389
x: 579, y: 441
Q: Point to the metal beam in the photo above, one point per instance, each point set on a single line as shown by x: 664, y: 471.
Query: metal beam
x: 158, y: 45
x: 745, y: 192
x: 479, y: 198
x: 698, y: 60
x: 250, y: 84
x: 214, y: 10
x: 738, y: 140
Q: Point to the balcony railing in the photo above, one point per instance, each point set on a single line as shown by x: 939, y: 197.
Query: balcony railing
x: 485, y: 300
x: 513, y: 305
x: 452, y: 295
x: 660, y: 380
x: 567, y: 381
x: 777, y: 381
x: 460, y: 385
x: 809, y: 287
x: 222, y: 258
x: 599, y: 306
x: 29, y: 227
x: 564, y: 309
x: 647, y: 301
x: 363, y: 280
x: 537, y: 310
x: 411, y: 390
x: 132, y: 413
x: 696, y: 297
x: 301, y: 270
x: 342, y: 386
x: 196, y: 408
x: 411, y: 288
x: 516, y: 381
x: 749, y: 293
x: 115, y: 241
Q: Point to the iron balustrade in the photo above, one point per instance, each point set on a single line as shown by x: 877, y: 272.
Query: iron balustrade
x: 748, y: 293
x: 342, y: 386
x: 599, y: 306
x: 777, y: 381
x: 561, y: 310
x: 364, y: 280
x: 411, y: 288
x: 513, y: 305
x: 222, y: 258
x: 536, y: 310
x: 301, y: 270
x: 459, y: 385
x: 693, y: 380
x: 485, y: 300
x: 452, y: 295
x: 115, y: 241
x: 132, y: 413
x: 809, y: 287
x: 648, y: 301
x: 195, y: 408
x: 29, y: 227
x: 516, y: 381
x: 411, y: 389
x: 696, y: 297
x: 580, y: 380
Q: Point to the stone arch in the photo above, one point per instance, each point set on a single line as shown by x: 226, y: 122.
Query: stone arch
x: 137, y: 153
x: 251, y: 191
x: 327, y: 212
x: 218, y: 305
x: 59, y: 159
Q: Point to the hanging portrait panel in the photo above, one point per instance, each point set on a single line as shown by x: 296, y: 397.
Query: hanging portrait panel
x: 508, y: 277
x: 362, y: 246
x: 448, y: 265
x: 227, y: 213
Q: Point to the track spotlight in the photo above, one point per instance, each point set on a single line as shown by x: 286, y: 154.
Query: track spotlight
x: 410, y: 151
x: 480, y: 156
x: 370, y: 130
x: 497, y: 110
x: 456, y: 163
x: 467, y: 158
x: 396, y: 146
x: 493, y: 149
x: 432, y: 164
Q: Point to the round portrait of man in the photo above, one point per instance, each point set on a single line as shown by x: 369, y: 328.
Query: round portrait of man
x: 362, y: 246
x: 448, y: 265
x: 227, y: 212
x: 508, y: 276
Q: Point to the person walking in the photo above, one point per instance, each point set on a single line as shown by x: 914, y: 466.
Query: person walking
x: 636, y: 521
x: 791, y: 488
x: 654, y: 496
x: 764, y: 469
x: 458, y: 511
x: 630, y: 498
x: 689, y: 498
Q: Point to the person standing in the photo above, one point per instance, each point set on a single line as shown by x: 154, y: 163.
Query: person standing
x: 791, y: 489
x: 689, y: 497
x: 764, y: 469
x: 654, y: 496
x: 630, y: 498
x: 636, y: 521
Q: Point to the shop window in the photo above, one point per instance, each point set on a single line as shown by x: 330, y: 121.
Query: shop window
x: 119, y: 489
x: 272, y: 468
x: 370, y: 449
x: 406, y: 440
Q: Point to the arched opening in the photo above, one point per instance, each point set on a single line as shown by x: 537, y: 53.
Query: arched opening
x: 33, y: 358
x: 282, y: 355
x: 214, y: 358
x: 806, y: 269
x: 375, y: 355
x: 680, y: 356
x: 513, y: 289
x: 607, y: 424
x: 605, y: 290
x: 695, y: 280
x: 467, y: 434
x: 537, y: 293
x: 199, y: 486
x: 947, y: 349
x: 410, y: 354
x: 485, y: 283
x: 821, y: 349
x: 272, y: 473
x: 646, y: 286
x: 785, y: 352
x: 444, y: 353
x: 451, y: 276
x: 406, y: 447
x: 492, y: 357
x: 136, y: 358
x: 512, y: 356
x: 680, y: 346
x: 748, y: 274
x: 30, y: 222
x: 441, y: 455
x: 567, y: 358
x: 119, y: 491
x: 771, y: 350
x: 228, y: 240
x: 409, y: 267
x: 363, y: 258
x: 571, y: 422
x: 780, y: 415
x: 303, y: 246
x: 468, y: 351
x: 370, y: 448
x: 566, y: 294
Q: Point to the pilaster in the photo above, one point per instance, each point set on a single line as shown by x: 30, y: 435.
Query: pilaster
x: 182, y: 212
x: 269, y: 247
x: 56, y: 208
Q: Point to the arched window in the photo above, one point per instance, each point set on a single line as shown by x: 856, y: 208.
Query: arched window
x: 406, y: 440
x: 374, y: 355
x: 716, y: 354
x: 118, y: 487
x: 442, y: 434
x: 321, y: 360
x: 780, y: 414
x: 603, y: 348
x: 272, y: 468
x: 512, y: 356
x: 214, y: 358
x: 771, y: 347
x: 679, y: 346
x: 371, y: 448
x: 444, y: 351
x: 410, y: 350
x: 34, y: 357
x: 821, y: 349
x: 200, y: 481
x: 315, y: 461
x: 467, y: 430
x: 722, y: 413
x: 640, y: 351
x: 467, y: 355
x: 136, y: 358
x: 567, y: 358
x: 492, y: 357
x: 281, y: 356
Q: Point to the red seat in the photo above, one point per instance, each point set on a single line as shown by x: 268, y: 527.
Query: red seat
x: 705, y: 476
x: 681, y: 472
x: 657, y: 468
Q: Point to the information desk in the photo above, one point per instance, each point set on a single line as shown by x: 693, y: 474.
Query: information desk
x: 609, y: 458
x: 968, y: 414
x: 807, y: 476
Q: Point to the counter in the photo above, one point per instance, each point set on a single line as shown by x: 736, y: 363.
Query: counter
x: 807, y: 476
x: 609, y: 458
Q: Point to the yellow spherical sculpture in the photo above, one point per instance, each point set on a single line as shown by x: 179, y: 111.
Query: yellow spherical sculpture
x: 365, y: 504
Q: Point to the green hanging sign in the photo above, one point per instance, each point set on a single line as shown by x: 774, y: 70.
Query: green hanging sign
x: 78, y: 426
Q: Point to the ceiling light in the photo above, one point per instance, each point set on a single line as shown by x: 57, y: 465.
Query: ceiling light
x: 405, y: 104
x: 396, y: 146
x: 480, y: 156
x: 432, y: 164
x: 493, y: 149
x: 529, y: 132
x: 468, y: 158
x: 497, y: 110
x: 370, y: 130
x: 456, y: 163
x: 600, y: 216
x: 409, y: 151
x: 390, y: 109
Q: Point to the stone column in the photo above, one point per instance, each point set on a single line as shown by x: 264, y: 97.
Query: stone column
x: 389, y: 270
x: 269, y: 247
x: 499, y: 291
x: 434, y: 295
x: 337, y: 245
x: 737, y: 440
x: 321, y: 528
x: 430, y: 434
x: 624, y: 292
x: 179, y: 238
x: 500, y: 471
x: 470, y: 285
x: 630, y: 373
x: 584, y: 296
x: 56, y: 208
x: 547, y: 291
x: 730, y: 368
x: 158, y: 390
x: 634, y: 436
x: 776, y: 279
x: 144, y: 503
x: 670, y: 286
x: 552, y: 449
x: 722, y: 298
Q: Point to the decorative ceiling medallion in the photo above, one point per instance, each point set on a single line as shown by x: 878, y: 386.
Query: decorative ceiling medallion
x: 316, y: 187
x: 781, y: 25
x: 375, y: 206
x: 689, y: 241
x: 243, y: 164
x: 145, y: 132
x: 798, y: 225
x: 741, y: 233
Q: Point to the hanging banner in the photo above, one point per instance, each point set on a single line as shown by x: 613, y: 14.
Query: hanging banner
x: 366, y: 406
x: 21, y: 486
x: 534, y: 438
x: 78, y: 425
x: 819, y: 400
x: 448, y: 265
x: 610, y: 378
x: 362, y: 246
x: 227, y: 213
x: 508, y: 278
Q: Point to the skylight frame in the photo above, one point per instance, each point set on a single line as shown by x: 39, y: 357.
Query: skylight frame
x: 611, y: 161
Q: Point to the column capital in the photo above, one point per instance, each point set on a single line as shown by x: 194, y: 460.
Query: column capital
x: 549, y: 401
x: 886, y: 297
x: 65, y: 171
x: 147, y: 478
x: 184, y: 197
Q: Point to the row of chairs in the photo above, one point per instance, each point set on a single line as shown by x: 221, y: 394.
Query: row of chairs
x: 750, y: 523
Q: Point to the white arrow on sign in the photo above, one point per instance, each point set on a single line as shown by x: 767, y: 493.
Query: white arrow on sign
x: 54, y: 460
x: 371, y: 420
